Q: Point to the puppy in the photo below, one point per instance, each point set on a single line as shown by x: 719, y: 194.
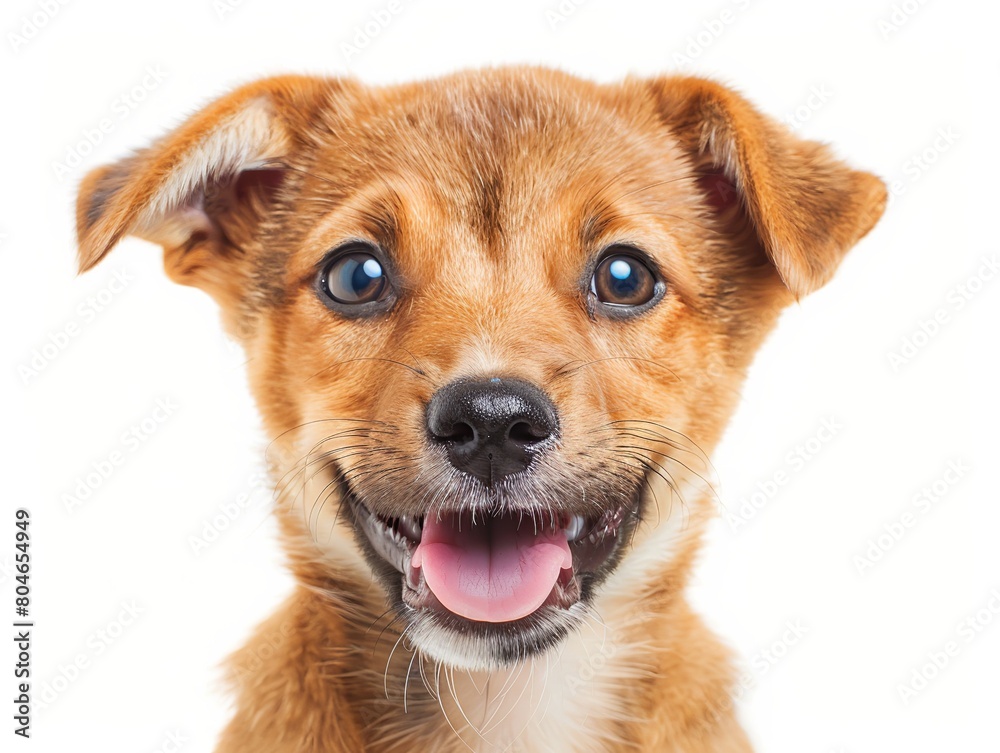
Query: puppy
x: 494, y: 324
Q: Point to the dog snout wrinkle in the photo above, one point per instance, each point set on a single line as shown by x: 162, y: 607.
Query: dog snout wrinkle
x: 493, y: 428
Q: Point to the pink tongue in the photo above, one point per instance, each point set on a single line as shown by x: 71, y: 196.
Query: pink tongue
x: 494, y: 571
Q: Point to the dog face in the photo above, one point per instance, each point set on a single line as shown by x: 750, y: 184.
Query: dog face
x: 492, y: 320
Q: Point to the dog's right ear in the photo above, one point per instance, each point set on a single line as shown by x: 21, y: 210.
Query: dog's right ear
x: 201, y: 188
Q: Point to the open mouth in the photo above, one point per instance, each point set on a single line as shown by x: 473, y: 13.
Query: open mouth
x: 496, y: 565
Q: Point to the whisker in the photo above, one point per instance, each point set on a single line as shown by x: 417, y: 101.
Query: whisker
x: 385, y: 677
x: 668, y: 457
x: 406, y: 682
x: 342, y: 362
x: 562, y: 371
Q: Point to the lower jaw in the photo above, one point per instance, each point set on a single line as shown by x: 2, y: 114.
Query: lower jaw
x: 472, y: 646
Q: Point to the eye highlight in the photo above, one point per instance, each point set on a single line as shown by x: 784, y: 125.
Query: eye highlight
x: 623, y: 281
x: 355, y: 280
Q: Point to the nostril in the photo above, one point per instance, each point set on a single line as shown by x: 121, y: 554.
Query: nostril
x: 458, y: 433
x: 523, y: 433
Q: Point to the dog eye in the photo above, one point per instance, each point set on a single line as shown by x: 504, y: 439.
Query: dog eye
x: 355, y: 277
x: 623, y: 280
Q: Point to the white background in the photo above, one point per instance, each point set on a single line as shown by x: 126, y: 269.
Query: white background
x: 889, y: 91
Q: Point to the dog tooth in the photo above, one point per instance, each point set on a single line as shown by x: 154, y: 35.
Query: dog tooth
x: 410, y: 527
x: 574, y: 528
x: 413, y: 576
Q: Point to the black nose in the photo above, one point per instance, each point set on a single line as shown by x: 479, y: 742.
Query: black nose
x: 491, y: 428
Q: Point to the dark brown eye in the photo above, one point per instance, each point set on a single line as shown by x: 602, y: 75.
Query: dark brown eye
x: 355, y: 278
x: 623, y: 280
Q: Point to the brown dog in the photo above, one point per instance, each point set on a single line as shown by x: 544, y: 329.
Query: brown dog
x: 494, y: 321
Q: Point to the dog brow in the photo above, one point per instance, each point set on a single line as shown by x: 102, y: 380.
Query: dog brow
x: 599, y: 219
x: 378, y: 219
x: 381, y: 220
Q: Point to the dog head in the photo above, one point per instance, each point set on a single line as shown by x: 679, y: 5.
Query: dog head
x: 493, y: 320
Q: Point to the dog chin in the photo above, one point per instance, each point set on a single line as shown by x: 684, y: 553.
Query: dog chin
x: 495, y: 647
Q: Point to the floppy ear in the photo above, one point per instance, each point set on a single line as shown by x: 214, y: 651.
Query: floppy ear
x: 806, y: 207
x: 202, y: 190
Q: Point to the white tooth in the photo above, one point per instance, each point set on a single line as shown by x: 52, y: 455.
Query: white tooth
x: 410, y: 527
x: 413, y: 575
x: 574, y: 529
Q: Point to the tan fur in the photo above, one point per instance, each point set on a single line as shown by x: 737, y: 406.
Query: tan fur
x: 493, y: 189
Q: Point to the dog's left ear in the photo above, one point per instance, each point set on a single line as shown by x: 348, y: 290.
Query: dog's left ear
x: 806, y: 207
